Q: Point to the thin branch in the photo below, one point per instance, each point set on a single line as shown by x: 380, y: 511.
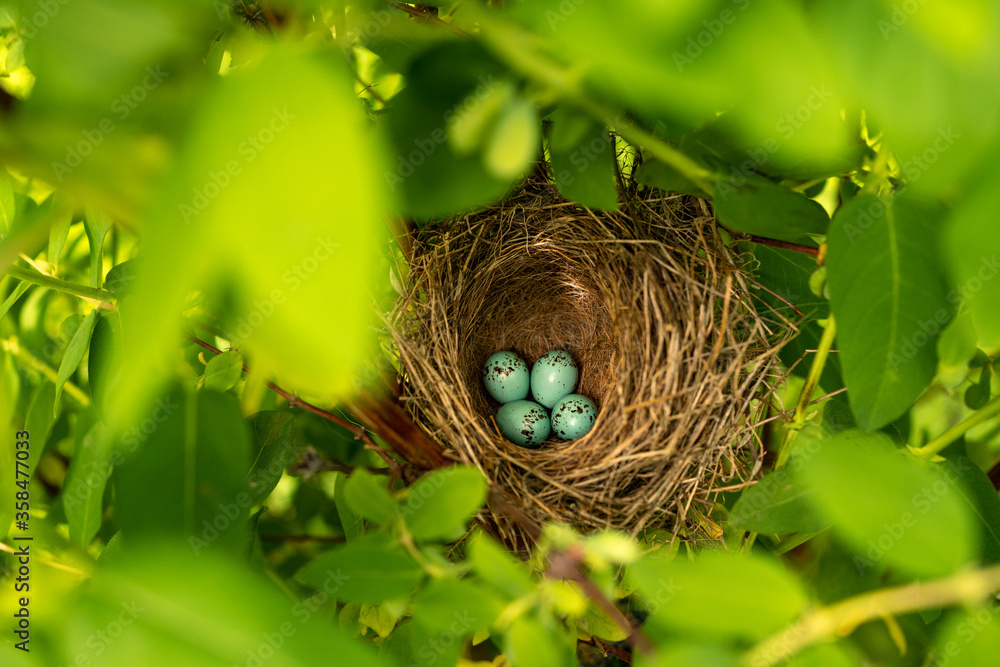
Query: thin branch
x: 82, y: 291
x: 843, y: 617
x: 775, y: 243
x: 424, y: 15
x: 294, y: 401
x: 984, y: 413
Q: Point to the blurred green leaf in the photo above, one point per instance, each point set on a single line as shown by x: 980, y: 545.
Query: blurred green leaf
x: 12, y: 298
x: 274, y: 208
x: 755, y: 205
x: 776, y: 504
x: 377, y: 618
x: 955, y: 349
x: 58, y: 233
x: 982, y: 503
x: 353, y: 523
x: 366, y: 495
x: 973, y: 244
x: 528, y: 643
x: 10, y: 391
x: 718, y: 595
x: 497, y: 567
x: 369, y: 569
x: 39, y: 421
x: 443, y: 601
x: 514, y: 141
x: 184, y: 475
x: 970, y: 637
x: 273, y: 436
x: 583, y: 160
x: 683, y: 652
x: 888, y: 296
x: 155, y: 595
x: 88, y: 473
x: 75, y: 349
x: 223, y: 371
x: 824, y: 655
x: 887, y: 505
x: 659, y: 175
x: 440, y: 503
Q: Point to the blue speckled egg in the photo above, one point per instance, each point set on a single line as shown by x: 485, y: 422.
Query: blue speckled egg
x: 524, y: 423
x: 506, y: 377
x: 552, y: 377
x: 573, y: 416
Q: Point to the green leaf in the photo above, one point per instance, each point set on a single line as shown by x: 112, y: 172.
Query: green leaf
x: 75, y: 350
x: 58, y: 233
x: 223, y: 371
x: 776, y: 504
x: 955, y: 349
x: 440, y: 503
x: 10, y: 391
x: 443, y: 601
x: 104, y: 362
x: 353, y: 523
x: 718, y: 595
x: 12, y: 298
x: 7, y: 205
x: 762, y: 208
x: 824, y: 655
x: 680, y: 652
x: 596, y: 622
x: 97, y: 224
x: 583, y: 160
x: 378, y: 618
x: 273, y: 437
x: 156, y: 593
x: 970, y: 638
x: 888, y: 296
x: 981, y: 501
x: 299, y: 137
x: 887, y: 505
x: 184, y: 475
x: 88, y: 473
x: 528, y: 643
x: 366, y: 570
x: 444, y: 84
x: 660, y: 175
x: 40, y: 421
x: 972, y: 241
x: 494, y: 565
x: 366, y: 495
x: 120, y: 277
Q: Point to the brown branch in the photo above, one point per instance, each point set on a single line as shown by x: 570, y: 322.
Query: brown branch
x: 566, y: 565
x: 429, y: 15
x: 294, y: 401
x: 775, y: 243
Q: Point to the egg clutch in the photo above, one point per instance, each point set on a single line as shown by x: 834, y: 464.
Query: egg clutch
x: 550, y: 382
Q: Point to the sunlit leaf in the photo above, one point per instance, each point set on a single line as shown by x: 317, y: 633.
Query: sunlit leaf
x: 75, y: 349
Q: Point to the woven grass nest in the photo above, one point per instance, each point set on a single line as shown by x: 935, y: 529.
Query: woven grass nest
x: 650, y: 304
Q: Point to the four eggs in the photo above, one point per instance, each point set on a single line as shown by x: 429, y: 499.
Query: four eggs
x: 550, y: 381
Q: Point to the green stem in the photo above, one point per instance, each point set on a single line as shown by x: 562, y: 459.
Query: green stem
x: 793, y: 541
x: 518, y: 49
x: 988, y: 411
x: 82, y: 291
x: 31, y: 361
x: 812, y: 379
x: 843, y: 617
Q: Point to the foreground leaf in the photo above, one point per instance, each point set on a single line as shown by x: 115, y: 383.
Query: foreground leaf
x: 369, y: 569
x: 888, y: 296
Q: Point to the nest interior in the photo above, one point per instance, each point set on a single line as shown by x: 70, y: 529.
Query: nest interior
x: 652, y: 307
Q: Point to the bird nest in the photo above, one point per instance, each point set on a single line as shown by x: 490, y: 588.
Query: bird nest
x: 649, y: 302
